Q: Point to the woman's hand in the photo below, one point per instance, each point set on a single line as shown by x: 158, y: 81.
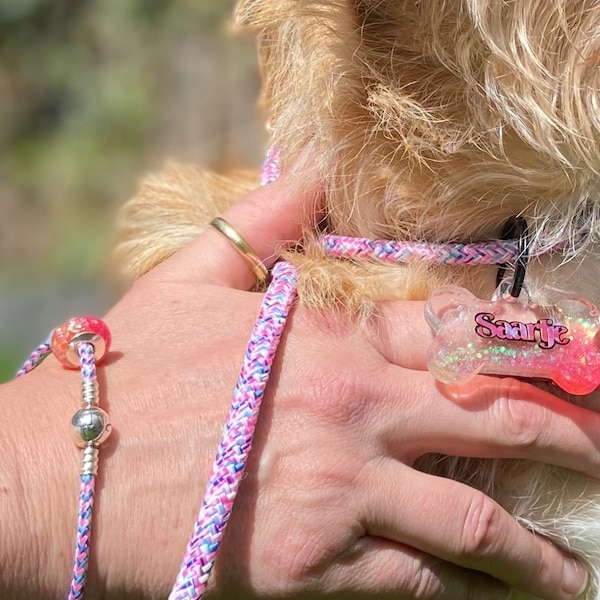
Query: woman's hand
x: 330, y: 502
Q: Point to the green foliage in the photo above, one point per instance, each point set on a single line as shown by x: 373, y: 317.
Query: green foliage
x: 8, y: 365
x: 94, y: 94
x: 82, y: 86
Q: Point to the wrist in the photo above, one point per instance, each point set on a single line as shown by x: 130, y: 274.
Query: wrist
x: 151, y: 478
x: 38, y: 464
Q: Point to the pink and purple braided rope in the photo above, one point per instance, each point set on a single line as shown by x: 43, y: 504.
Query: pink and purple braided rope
x: 87, y: 487
x: 87, y: 363
x: 34, y: 359
x: 230, y: 462
x: 484, y: 253
x: 87, y: 482
x: 271, y: 169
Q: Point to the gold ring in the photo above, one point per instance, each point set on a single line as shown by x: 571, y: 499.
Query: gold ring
x: 243, y: 247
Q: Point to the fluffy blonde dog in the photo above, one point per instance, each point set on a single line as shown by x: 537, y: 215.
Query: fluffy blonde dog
x: 433, y: 120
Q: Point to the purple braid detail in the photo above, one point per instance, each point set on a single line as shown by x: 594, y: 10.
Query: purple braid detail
x: 87, y: 362
x: 89, y: 410
x: 484, y: 253
x: 271, y: 169
x: 34, y: 359
x: 82, y: 544
x: 230, y: 462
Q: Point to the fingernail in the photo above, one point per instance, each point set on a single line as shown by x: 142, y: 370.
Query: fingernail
x: 575, y: 578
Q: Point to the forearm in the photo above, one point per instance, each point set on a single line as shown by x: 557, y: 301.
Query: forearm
x: 151, y: 478
x: 36, y: 511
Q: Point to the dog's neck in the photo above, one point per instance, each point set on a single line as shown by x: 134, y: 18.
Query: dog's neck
x: 429, y: 121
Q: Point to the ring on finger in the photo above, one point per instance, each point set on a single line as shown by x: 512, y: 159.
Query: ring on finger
x: 243, y: 248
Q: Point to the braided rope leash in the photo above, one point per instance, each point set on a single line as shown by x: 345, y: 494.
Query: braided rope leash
x: 81, y: 343
x: 230, y: 462
x: 271, y: 169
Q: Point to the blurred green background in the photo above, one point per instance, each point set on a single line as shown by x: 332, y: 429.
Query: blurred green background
x: 93, y: 94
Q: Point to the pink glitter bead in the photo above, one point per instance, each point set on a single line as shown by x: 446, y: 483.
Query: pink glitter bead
x: 80, y: 329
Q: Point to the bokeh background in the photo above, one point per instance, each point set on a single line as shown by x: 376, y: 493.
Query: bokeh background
x: 93, y: 94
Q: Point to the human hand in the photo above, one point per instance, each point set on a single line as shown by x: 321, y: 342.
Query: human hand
x: 330, y: 502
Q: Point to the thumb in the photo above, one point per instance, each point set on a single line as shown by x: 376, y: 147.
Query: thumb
x: 269, y: 219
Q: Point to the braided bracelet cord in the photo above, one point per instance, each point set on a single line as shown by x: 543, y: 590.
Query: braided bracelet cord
x: 82, y: 543
x: 34, y: 359
x: 230, y: 462
x: 89, y: 458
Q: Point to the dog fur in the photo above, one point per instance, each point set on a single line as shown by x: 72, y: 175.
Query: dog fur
x: 431, y: 120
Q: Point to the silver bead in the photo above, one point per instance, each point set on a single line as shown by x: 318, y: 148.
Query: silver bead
x: 89, y: 460
x: 89, y: 392
x: 90, y: 425
x: 95, y: 339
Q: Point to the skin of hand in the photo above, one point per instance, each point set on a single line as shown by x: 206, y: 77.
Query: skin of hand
x: 330, y: 504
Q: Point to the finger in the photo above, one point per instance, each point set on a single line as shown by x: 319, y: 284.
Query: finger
x: 490, y: 417
x: 463, y: 526
x: 269, y: 219
x: 398, y: 330
x: 386, y: 569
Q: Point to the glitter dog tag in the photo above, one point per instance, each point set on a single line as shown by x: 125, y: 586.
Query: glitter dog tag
x: 509, y: 337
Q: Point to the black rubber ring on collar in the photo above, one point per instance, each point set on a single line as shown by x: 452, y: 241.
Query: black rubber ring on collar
x: 516, y: 228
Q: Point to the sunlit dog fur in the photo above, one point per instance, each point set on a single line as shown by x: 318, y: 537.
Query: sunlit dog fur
x: 428, y: 120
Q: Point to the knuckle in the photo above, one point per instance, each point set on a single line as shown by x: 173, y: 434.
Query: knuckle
x: 472, y: 591
x: 483, y: 528
x: 423, y: 582
x: 336, y: 395
x: 311, y: 555
x: 522, y: 423
x: 431, y: 578
x: 307, y: 562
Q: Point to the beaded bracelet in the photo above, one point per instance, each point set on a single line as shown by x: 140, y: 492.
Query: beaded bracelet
x: 81, y: 343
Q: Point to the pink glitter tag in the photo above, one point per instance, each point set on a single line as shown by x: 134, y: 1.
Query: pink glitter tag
x: 509, y: 337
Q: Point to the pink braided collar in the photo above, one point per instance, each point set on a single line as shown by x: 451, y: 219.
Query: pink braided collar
x: 482, y: 253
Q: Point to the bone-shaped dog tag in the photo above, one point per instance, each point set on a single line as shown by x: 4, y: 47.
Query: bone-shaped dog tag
x: 509, y: 337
